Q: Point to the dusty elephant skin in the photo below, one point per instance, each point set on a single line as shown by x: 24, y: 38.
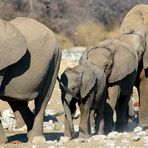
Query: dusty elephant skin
x: 87, y: 88
x: 135, y: 25
x: 120, y: 66
x: 29, y: 65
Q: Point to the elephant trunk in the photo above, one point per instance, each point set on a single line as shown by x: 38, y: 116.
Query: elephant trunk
x: 68, y: 120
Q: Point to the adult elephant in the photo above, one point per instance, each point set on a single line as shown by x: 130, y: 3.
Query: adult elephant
x: 29, y: 64
x: 119, y: 63
x: 135, y: 25
x: 84, y: 84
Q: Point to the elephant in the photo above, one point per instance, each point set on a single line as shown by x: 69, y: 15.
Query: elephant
x: 135, y: 25
x: 85, y: 85
x: 29, y: 63
x: 119, y: 63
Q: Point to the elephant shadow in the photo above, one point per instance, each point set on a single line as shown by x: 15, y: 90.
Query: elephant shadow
x: 23, y: 137
x: 17, y: 69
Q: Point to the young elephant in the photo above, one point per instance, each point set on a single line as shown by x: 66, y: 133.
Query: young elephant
x: 119, y: 63
x: 84, y: 85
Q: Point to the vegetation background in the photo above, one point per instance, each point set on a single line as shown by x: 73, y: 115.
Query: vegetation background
x: 76, y: 22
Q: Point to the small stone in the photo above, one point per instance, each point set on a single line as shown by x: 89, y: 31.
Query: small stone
x: 34, y: 146
x: 51, y: 142
x: 142, y: 133
x: 112, y: 135
x: 98, y: 137
x: 136, y: 138
x: 64, y: 139
x: 80, y: 140
x: 138, y: 129
x: 38, y: 140
x: 51, y: 146
x: 125, y: 141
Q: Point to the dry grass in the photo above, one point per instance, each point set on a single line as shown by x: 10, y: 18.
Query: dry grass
x: 89, y: 33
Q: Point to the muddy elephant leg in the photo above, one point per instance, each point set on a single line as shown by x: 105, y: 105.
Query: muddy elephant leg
x: 84, y: 127
x: 113, y: 94
x: 22, y: 113
x: 121, y: 112
x: 3, y: 138
x: 143, y: 112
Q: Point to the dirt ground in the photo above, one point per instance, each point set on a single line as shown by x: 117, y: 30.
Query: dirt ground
x: 54, y: 139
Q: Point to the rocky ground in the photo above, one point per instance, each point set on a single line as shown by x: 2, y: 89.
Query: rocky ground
x: 54, y: 126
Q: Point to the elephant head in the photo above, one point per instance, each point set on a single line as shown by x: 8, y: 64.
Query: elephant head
x: 113, y: 57
x: 82, y: 78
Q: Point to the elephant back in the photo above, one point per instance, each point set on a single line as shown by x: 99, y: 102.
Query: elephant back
x: 13, y: 45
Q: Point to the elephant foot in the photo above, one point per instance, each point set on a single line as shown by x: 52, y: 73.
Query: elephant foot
x: 67, y: 134
x: 83, y: 133
x: 35, y: 137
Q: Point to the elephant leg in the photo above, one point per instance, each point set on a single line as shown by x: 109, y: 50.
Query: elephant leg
x: 122, y: 113
x: 84, y: 127
x: 42, y: 100
x: 3, y: 138
x: 22, y: 113
x: 113, y: 94
x: 143, y: 112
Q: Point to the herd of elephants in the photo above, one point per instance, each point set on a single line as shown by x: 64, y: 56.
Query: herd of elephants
x: 100, y: 84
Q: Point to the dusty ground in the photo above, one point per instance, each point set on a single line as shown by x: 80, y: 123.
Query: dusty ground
x: 54, y: 136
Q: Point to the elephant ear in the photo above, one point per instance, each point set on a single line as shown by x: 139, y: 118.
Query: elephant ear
x: 125, y: 62
x: 12, y: 44
x: 88, y: 80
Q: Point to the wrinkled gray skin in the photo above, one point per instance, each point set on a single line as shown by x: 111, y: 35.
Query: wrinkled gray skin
x: 119, y: 63
x: 28, y: 72
x: 136, y: 21
x: 87, y: 83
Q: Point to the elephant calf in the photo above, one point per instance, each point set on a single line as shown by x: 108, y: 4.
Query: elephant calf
x: 84, y: 85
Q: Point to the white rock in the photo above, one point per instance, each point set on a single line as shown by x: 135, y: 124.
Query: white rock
x: 34, y: 146
x: 113, y: 135
x: 38, y: 140
x: 51, y: 146
x: 138, y: 129
x: 98, y: 137
x: 51, y: 141
x: 80, y: 140
x: 49, y: 125
x: 135, y: 138
x: 8, y: 120
x: 125, y: 140
x: 64, y: 139
x: 24, y: 128
x: 142, y: 133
